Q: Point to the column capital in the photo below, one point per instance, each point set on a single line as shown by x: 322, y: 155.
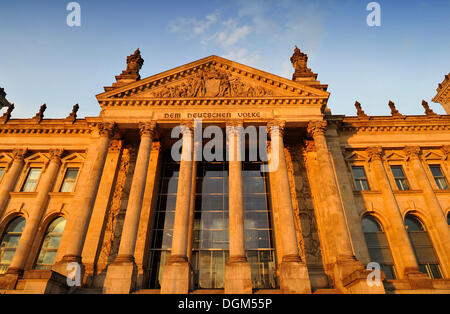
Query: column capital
x: 375, y: 153
x: 147, y: 128
x: 276, y: 126
x: 317, y: 128
x: 187, y: 127
x: 19, y: 154
x: 234, y: 126
x: 56, y: 154
x: 106, y: 129
x: 412, y: 152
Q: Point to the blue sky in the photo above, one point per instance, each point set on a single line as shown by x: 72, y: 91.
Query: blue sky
x: 42, y: 60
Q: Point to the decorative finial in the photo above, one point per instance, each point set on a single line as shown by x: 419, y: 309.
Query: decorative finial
x: 7, y: 115
x: 3, y: 101
x: 360, y: 112
x: 428, y: 110
x: 73, y: 115
x: 299, y: 61
x: 40, y: 115
x: 394, y: 111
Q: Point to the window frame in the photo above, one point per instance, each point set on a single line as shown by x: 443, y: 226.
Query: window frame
x: 64, y: 173
x: 3, y: 233
x: 355, y: 185
x: 405, y: 177
x: 435, y: 182
x: 42, y: 237
x: 25, y: 174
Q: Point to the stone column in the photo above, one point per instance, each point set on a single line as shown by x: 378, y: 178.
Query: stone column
x: 400, y: 244
x: 36, y: 212
x: 440, y: 227
x: 238, y: 279
x: 10, y: 179
x: 293, y: 272
x: 349, y: 273
x: 177, y: 270
x: 85, y: 198
x: 121, y: 274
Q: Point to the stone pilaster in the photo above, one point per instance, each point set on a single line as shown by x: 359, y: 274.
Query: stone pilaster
x: 293, y: 272
x: 10, y: 179
x: 121, y: 274
x: 402, y: 251
x: 84, y: 200
x: 238, y: 278
x: 176, y: 275
x: 348, y: 271
x: 441, y: 232
x: 36, y: 212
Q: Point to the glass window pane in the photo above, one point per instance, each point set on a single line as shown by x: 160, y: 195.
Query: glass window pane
x: 10, y: 241
x: 2, y: 171
x: 70, y: 178
x: 370, y: 225
x: 50, y: 244
x: 31, y: 180
x: 359, y: 172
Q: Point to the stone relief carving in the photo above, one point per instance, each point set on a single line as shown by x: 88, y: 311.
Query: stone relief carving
x: 212, y: 82
x: 304, y: 207
x: 116, y: 206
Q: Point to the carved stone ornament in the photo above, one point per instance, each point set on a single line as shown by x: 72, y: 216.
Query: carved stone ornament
x: 212, y: 82
x: 7, y: 115
x: 106, y: 129
x: 299, y: 61
x: 19, y: 154
x: 40, y: 115
x: 446, y: 150
x: 428, y: 110
x: 56, y: 154
x: 276, y: 127
x: 360, y: 111
x: 73, y: 115
x: 412, y: 152
x: 317, y: 128
x: 375, y: 153
x: 134, y: 63
x: 147, y: 128
x: 394, y: 111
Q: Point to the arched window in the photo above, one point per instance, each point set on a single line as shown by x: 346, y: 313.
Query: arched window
x: 9, y: 242
x: 423, y: 248
x: 50, y: 245
x: 378, y: 246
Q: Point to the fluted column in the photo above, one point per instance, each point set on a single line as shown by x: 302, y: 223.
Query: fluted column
x: 237, y: 271
x: 177, y: 271
x: 335, y: 209
x: 85, y: 198
x: 399, y: 241
x: 442, y: 241
x: 294, y: 276
x: 131, y: 224
x: 36, y: 212
x: 10, y: 178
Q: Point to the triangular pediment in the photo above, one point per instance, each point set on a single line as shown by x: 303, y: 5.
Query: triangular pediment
x: 210, y: 78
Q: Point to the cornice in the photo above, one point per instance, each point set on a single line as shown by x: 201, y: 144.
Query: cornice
x: 50, y: 127
x: 391, y: 124
x: 191, y: 102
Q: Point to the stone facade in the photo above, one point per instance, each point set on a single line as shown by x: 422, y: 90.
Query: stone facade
x: 317, y: 202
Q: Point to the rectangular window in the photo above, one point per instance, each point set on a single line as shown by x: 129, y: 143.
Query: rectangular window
x: 31, y: 180
x: 400, y: 178
x: 70, y: 178
x: 362, y: 184
x: 2, y: 171
x: 441, y: 181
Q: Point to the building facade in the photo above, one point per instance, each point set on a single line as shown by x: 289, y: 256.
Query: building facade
x: 215, y: 177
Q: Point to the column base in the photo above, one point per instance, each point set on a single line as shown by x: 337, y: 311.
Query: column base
x: 351, y: 276
x: 359, y: 282
x: 9, y: 281
x: 294, y: 277
x: 176, y: 276
x: 417, y: 279
x: 121, y: 276
x: 238, y: 276
x: 44, y: 282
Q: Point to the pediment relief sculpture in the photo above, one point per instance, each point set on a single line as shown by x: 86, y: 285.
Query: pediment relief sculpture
x: 212, y: 82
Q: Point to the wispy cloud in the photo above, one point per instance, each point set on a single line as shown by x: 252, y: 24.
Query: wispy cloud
x: 255, y: 25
